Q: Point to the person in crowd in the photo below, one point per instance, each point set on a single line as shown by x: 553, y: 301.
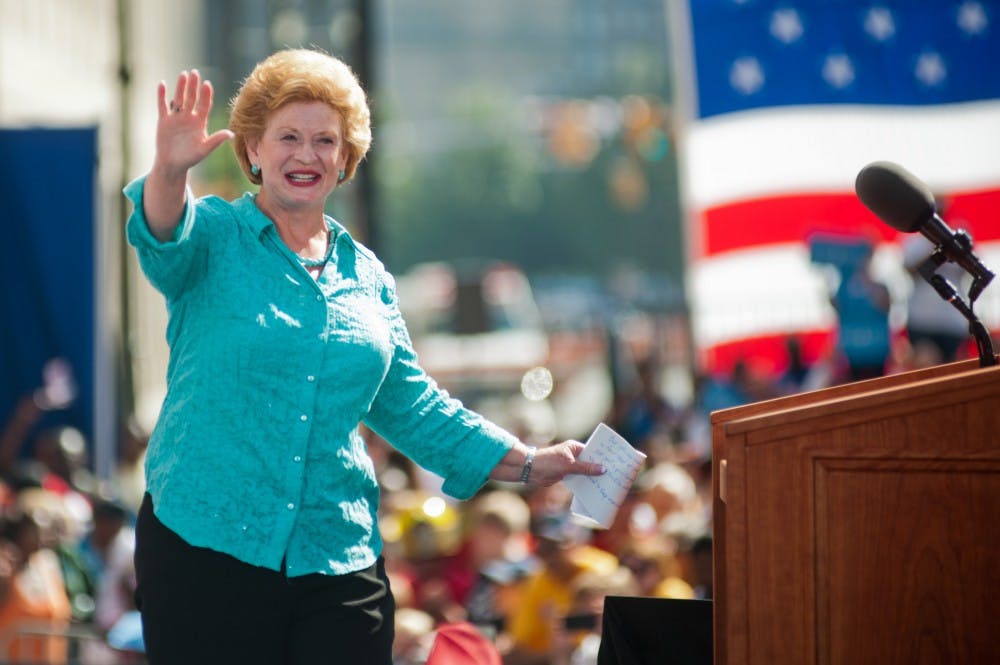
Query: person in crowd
x: 422, y: 536
x: 934, y: 328
x: 495, y: 556
x: 414, y: 634
x: 61, y: 520
x: 565, y: 554
x: 643, y: 414
x: 54, y: 457
x: 577, y: 636
x: 36, y: 444
x: 460, y: 563
x: 743, y: 384
x: 62, y: 452
x: 795, y: 374
x: 543, y: 502
x: 108, y: 550
x: 15, y: 432
x: 862, y: 304
x: 461, y: 643
x: 652, y: 559
x: 695, y: 556
x: 257, y: 540
x: 34, y: 608
x: 128, y: 481
x: 670, y: 490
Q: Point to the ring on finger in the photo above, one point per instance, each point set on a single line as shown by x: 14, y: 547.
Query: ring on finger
x: 174, y: 107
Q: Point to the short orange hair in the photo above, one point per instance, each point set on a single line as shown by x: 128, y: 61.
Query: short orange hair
x: 300, y: 75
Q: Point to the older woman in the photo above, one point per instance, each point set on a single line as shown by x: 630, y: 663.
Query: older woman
x: 257, y: 541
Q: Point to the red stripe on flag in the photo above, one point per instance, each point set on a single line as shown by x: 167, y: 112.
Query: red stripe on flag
x: 794, y: 218
x: 976, y: 212
x: 788, y: 219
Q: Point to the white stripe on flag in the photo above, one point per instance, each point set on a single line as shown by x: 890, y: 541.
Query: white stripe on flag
x: 783, y: 150
x: 760, y: 291
x: 775, y: 290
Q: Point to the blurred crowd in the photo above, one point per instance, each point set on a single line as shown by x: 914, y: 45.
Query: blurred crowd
x: 512, y: 563
x: 66, y: 543
x: 515, y: 564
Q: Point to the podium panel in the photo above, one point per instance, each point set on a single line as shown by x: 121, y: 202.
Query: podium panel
x: 859, y: 524
x: 933, y: 577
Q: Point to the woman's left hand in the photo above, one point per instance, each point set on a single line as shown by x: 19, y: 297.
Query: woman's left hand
x: 553, y: 463
x: 550, y: 464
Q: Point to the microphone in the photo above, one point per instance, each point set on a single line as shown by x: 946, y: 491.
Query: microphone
x: 905, y: 203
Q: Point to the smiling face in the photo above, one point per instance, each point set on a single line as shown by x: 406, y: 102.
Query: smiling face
x: 300, y: 155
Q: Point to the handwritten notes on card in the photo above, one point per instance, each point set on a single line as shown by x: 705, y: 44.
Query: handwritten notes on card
x: 596, y: 499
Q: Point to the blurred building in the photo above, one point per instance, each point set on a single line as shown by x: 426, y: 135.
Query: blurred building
x: 418, y: 54
x: 555, y: 48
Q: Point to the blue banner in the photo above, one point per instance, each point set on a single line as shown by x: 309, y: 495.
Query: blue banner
x: 47, y: 303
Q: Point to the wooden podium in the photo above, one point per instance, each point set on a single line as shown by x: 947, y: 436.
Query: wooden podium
x: 861, y: 523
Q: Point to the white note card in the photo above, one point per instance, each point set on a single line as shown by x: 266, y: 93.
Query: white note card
x: 596, y: 499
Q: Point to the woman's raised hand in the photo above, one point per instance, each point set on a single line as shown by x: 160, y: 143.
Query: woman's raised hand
x: 182, y: 138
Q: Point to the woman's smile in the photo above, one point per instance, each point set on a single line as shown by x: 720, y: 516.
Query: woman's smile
x: 302, y: 178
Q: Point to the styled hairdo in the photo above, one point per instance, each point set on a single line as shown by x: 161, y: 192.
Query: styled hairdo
x: 300, y: 75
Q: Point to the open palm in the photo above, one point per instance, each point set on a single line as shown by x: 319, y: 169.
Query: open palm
x: 182, y: 138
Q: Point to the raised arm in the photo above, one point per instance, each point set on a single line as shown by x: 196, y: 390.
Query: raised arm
x: 182, y: 140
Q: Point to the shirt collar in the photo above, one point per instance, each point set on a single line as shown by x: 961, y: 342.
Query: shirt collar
x: 260, y: 222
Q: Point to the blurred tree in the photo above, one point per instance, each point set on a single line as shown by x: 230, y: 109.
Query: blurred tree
x: 560, y: 198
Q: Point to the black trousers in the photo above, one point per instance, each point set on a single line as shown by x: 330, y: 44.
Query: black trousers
x: 200, y: 606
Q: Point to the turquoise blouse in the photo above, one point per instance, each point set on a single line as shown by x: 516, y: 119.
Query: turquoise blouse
x: 256, y: 452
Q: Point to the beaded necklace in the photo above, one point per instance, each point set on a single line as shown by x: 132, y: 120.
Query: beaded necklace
x: 321, y: 262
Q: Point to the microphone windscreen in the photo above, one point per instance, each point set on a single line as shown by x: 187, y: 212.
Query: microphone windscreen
x: 895, y: 195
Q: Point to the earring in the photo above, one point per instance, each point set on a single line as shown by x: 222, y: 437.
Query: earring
x: 343, y: 174
x: 254, y: 169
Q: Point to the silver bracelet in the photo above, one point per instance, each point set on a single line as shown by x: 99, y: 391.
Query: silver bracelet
x: 528, y: 461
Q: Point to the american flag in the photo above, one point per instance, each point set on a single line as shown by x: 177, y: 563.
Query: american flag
x: 781, y: 105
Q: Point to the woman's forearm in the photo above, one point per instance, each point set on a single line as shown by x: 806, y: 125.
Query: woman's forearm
x: 510, y: 466
x: 163, y: 198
